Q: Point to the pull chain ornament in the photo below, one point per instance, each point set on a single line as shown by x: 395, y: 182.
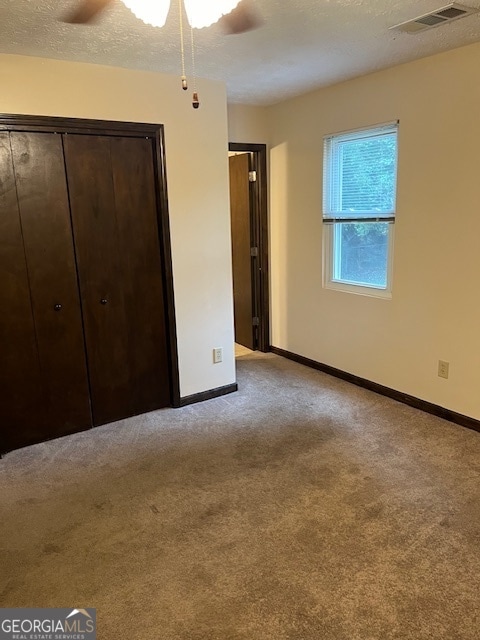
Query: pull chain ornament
x: 195, y: 100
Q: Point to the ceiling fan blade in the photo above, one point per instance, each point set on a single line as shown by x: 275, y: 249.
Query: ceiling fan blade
x: 87, y: 11
x: 243, y: 18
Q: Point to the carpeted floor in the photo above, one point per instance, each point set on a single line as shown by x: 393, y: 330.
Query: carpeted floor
x: 299, y: 508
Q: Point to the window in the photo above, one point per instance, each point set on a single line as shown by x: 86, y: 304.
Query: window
x: 359, y: 197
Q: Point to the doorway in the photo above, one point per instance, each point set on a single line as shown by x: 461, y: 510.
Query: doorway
x: 249, y: 223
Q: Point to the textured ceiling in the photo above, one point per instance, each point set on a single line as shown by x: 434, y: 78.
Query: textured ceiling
x: 302, y: 45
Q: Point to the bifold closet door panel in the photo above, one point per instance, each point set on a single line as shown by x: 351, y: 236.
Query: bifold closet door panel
x: 47, y: 236
x: 22, y: 408
x: 113, y: 204
x: 99, y: 264
x: 137, y: 226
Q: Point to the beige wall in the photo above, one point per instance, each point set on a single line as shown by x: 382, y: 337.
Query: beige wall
x: 435, y: 310
x: 247, y: 124
x: 197, y: 174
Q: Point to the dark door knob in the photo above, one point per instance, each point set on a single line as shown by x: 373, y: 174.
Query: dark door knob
x: 57, y: 307
x: 103, y: 301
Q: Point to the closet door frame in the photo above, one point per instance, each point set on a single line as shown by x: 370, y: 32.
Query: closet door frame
x: 44, y: 124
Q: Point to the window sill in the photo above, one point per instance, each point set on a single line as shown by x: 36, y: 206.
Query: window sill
x: 371, y: 292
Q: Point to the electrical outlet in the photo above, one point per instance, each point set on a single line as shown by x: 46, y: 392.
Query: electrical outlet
x: 217, y: 355
x: 443, y: 369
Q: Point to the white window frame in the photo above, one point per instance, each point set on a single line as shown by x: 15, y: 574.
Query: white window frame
x: 332, y: 219
x: 329, y: 282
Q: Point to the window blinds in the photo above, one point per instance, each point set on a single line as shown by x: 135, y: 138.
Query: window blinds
x: 360, y: 168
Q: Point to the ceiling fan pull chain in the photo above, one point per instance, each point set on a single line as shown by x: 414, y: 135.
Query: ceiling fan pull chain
x: 195, y: 100
x: 182, y: 47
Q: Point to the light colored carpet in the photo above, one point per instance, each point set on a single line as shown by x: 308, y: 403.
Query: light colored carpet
x: 299, y: 508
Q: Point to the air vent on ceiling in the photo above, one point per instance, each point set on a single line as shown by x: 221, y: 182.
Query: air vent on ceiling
x: 445, y: 14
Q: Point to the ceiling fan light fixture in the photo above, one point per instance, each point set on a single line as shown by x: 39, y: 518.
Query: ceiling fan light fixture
x: 204, y: 14
x: 154, y: 13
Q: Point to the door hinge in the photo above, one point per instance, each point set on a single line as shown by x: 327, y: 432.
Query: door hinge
x: 252, y: 176
x: 256, y: 321
x: 254, y: 252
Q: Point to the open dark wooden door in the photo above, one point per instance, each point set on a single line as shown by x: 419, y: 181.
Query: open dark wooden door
x: 243, y: 298
x: 114, y: 215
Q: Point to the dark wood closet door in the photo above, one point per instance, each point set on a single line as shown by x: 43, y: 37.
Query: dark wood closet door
x: 47, y: 236
x: 113, y: 204
x: 22, y: 410
x: 43, y: 377
x: 137, y: 227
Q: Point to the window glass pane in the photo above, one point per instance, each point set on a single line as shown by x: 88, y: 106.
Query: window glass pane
x: 360, y: 253
x: 368, y: 174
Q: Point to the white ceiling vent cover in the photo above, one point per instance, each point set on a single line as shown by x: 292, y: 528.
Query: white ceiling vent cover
x: 450, y: 12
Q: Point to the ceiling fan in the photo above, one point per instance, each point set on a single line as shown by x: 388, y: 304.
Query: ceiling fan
x: 234, y: 16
